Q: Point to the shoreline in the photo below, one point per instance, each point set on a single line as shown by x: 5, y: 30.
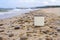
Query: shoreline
x: 14, y: 13
x: 46, y: 10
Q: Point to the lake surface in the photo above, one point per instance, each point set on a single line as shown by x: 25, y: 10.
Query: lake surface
x: 14, y: 12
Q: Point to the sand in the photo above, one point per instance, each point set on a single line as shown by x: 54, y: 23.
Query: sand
x: 22, y: 27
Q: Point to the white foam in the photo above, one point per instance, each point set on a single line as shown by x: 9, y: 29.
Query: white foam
x: 14, y: 12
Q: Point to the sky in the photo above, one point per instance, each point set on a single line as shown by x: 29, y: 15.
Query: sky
x: 27, y: 3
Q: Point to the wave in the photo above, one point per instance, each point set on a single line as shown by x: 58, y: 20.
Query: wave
x: 14, y: 12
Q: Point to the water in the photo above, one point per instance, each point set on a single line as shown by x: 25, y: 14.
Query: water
x: 14, y: 12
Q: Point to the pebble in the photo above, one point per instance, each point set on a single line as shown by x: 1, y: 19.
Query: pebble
x: 1, y: 38
x: 1, y: 24
x: 11, y: 35
x: 58, y: 29
x: 23, y: 38
x: 1, y: 30
x: 16, y: 28
x: 49, y: 39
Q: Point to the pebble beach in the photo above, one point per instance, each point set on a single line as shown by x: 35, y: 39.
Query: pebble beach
x: 22, y: 27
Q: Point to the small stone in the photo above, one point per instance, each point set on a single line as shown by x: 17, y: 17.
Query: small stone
x: 56, y: 34
x: 51, y: 27
x: 46, y: 31
x: 40, y: 38
x: 51, y: 33
x: 12, y: 26
x: 58, y: 30
x: 1, y: 24
x: 58, y: 22
x: 49, y: 39
x: 1, y: 38
x: 1, y: 30
x: 17, y: 28
x: 28, y: 35
x: 23, y: 38
x: 11, y: 35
